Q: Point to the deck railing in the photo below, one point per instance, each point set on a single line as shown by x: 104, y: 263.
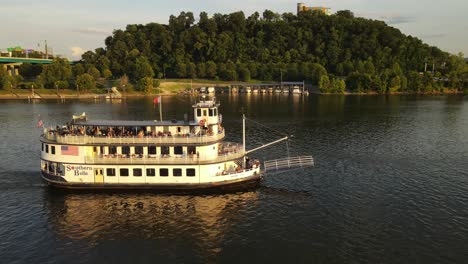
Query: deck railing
x: 160, y: 159
x: 83, y: 140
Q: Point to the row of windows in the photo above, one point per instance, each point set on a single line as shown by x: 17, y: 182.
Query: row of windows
x: 150, y: 172
x: 165, y: 150
x: 209, y: 112
x: 178, y: 150
x: 46, y: 147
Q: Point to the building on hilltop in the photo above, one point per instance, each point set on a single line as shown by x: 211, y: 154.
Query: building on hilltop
x: 301, y: 7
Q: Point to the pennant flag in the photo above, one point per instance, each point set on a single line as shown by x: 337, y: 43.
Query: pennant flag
x: 157, y: 100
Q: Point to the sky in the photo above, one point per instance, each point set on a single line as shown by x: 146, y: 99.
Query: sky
x: 72, y: 27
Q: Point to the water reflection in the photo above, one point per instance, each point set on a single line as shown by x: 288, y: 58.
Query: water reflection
x: 202, y: 221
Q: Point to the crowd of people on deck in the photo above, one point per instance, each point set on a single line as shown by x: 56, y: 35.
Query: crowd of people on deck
x: 108, y: 131
x: 124, y: 131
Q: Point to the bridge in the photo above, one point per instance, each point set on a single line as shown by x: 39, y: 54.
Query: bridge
x: 11, y: 63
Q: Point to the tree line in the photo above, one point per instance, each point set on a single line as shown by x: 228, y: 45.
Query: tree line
x: 335, y: 52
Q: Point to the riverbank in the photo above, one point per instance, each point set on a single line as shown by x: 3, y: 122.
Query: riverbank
x: 172, y: 87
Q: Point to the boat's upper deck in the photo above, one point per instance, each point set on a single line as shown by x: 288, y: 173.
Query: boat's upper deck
x: 187, y: 139
x: 92, y: 132
x: 204, y: 129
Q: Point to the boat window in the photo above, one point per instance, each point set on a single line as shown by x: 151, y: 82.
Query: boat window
x: 177, y: 172
x: 215, y: 111
x: 139, y: 150
x: 165, y: 150
x: 60, y: 169
x: 123, y: 172
x: 204, y: 112
x: 198, y: 112
x: 152, y: 150
x: 52, y: 149
x: 178, y: 150
x: 210, y: 111
x: 52, y: 167
x: 47, y: 148
x: 112, y: 150
x: 110, y: 172
x: 178, y: 129
x: 190, y: 172
x: 192, y: 150
x: 163, y: 172
x: 150, y: 172
x: 101, y: 149
x: 42, y: 147
x: 137, y: 172
x: 126, y: 150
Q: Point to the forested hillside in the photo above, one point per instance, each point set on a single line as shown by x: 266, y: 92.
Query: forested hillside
x: 334, y: 52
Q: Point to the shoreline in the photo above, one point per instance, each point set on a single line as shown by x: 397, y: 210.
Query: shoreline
x: 71, y: 95
x: 98, y: 97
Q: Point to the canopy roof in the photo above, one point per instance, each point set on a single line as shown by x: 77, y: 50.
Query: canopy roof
x: 129, y: 123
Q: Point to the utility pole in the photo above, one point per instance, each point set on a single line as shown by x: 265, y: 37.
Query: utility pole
x: 46, y: 52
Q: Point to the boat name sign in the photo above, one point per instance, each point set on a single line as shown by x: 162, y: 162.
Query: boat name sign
x: 80, y: 170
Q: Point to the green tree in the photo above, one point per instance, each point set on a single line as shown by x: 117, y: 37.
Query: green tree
x: 324, y: 84
x: 395, y: 84
x: 78, y: 69
x: 339, y: 86
x: 244, y: 73
x: 85, y: 82
x: 59, y: 70
x: 211, y: 69
x: 191, y: 70
x: 143, y: 68
x: 181, y: 70
x: 93, y: 71
x: 106, y: 74
x: 29, y: 70
x: 147, y: 84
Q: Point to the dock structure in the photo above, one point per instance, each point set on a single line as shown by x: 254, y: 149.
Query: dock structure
x: 281, y: 87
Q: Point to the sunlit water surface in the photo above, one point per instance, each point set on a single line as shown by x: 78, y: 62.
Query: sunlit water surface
x: 390, y: 185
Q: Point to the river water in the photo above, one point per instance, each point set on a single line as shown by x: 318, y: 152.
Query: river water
x: 390, y: 185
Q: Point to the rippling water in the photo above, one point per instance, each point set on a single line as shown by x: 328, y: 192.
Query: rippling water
x: 390, y: 186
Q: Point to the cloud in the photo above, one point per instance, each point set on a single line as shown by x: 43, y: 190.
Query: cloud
x: 77, y: 52
x: 390, y: 18
x: 433, y: 36
x: 398, y: 19
x: 93, y: 31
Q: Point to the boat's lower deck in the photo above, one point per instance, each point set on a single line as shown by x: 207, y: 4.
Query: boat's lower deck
x: 240, y: 181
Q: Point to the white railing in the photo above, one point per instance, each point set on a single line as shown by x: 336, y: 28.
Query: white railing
x: 83, y: 140
x: 160, y: 159
x: 289, y: 163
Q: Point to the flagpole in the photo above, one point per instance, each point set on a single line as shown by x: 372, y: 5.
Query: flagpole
x: 160, y: 108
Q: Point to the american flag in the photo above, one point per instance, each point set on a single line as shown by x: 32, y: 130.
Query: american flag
x: 70, y: 150
x: 157, y: 100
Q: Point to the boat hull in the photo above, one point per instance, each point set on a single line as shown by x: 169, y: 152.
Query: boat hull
x: 228, y: 185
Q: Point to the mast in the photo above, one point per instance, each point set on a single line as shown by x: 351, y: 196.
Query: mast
x: 243, y: 136
x: 160, y: 108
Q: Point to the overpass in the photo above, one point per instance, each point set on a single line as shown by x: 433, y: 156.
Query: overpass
x: 24, y: 60
x: 11, y: 63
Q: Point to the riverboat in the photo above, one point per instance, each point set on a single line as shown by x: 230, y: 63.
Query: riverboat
x: 154, y: 154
